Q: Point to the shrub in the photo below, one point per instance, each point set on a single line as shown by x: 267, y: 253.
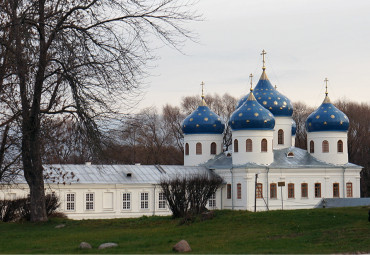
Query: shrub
x: 188, y: 196
x: 17, y: 209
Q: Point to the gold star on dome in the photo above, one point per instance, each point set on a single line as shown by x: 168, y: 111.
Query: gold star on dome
x: 199, y: 114
x: 191, y: 119
x: 256, y: 114
x: 332, y: 116
x: 240, y: 114
x: 309, y: 124
x: 214, y: 125
x: 317, y: 116
x: 206, y: 119
x: 264, y: 102
x: 247, y: 121
x: 197, y: 125
x: 325, y: 123
x: 275, y: 102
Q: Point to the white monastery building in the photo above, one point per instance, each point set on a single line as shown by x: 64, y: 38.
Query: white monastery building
x: 263, y: 171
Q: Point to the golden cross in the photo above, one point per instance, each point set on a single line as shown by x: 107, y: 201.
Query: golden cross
x: 251, y: 76
x: 202, y: 84
x: 326, y: 86
x: 263, y: 59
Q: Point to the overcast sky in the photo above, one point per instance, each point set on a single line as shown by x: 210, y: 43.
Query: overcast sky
x: 305, y: 42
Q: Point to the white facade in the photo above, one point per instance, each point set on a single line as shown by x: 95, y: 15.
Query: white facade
x: 256, y: 155
x: 285, y: 125
x: 192, y: 157
x: 330, y: 182
x: 336, y: 154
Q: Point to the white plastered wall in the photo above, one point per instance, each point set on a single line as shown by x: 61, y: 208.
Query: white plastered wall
x: 333, y: 156
x: 205, y: 139
x: 284, y: 123
x: 256, y: 156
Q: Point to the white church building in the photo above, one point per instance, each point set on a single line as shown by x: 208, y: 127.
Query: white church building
x: 263, y: 171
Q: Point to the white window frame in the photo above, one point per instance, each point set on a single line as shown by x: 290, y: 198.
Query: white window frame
x: 212, y: 201
x: 144, y: 200
x: 126, y: 202
x: 70, y: 202
x: 162, y: 201
x: 90, y: 201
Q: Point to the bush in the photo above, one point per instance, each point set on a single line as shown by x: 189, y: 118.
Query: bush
x: 14, y: 210
x: 188, y: 196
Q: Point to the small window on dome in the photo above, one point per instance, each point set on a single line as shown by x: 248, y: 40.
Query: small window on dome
x: 264, y: 145
x: 280, y: 136
x: 248, y: 145
x: 186, y: 149
x: 312, y: 147
x: 213, y: 148
x: 198, y: 149
x: 340, y: 146
x: 325, y: 146
x: 236, y: 146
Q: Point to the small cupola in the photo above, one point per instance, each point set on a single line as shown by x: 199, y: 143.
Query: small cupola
x: 327, y: 117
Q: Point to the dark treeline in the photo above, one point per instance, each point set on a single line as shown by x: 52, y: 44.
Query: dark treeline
x: 153, y: 137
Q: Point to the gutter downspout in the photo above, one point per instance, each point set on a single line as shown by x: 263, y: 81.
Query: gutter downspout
x: 232, y: 188
x: 267, y: 186
x: 154, y: 199
x: 344, y: 185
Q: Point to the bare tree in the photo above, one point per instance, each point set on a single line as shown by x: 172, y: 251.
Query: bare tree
x: 78, y: 57
x: 300, y: 114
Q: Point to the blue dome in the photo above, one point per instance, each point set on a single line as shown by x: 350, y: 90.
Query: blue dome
x: 271, y: 99
x: 252, y: 116
x: 327, y: 118
x: 203, y: 121
x: 294, y: 128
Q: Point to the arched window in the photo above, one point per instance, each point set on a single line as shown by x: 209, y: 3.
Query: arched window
x: 349, y: 189
x: 198, y: 149
x: 317, y: 189
x: 236, y: 146
x: 280, y: 136
x: 186, y: 149
x: 213, y: 148
x: 264, y: 145
x: 248, y: 145
x: 335, y: 189
x: 304, y: 190
x: 291, y: 190
x: 238, y: 191
x: 325, y: 146
x: 312, y: 147
x: 273, y: 191
x: 259, y: 190
x: 340, y: 146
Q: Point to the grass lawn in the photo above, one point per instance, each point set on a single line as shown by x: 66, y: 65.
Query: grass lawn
x: 337, y: 230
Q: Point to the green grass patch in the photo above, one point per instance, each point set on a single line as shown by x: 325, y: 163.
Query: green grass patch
x: 337, y: 230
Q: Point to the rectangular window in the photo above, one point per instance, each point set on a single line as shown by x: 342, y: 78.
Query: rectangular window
x: 70, y: 205
x: 239, y: 191
x: 144, y: 204
x: 349, y: 189
x: 335, y: 189
x: 317, y: 189
x: 228, y: 191
x: 161, y: 201
x: 291, y: 190
x: 259, y: 190
x: 304, y: 190
x: 212, y: 201
x: 90, y: 201
x: 126, y: 201
x: 273, y: 192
